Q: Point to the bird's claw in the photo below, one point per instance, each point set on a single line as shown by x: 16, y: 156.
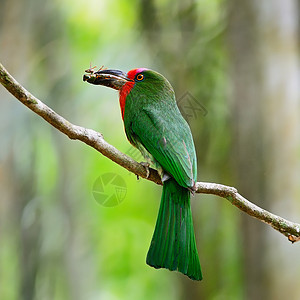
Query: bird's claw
x: 146, y: 166
x: 193, y: 189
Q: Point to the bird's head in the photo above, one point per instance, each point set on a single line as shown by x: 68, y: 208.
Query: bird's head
x: 144, y: 82
x: 119, y: 80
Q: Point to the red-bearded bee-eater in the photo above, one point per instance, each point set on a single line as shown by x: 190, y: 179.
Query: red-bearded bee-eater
x: 155, y: 126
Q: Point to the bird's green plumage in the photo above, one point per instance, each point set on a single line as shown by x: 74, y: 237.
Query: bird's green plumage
x: 173, y: 245
x: 154, y: 125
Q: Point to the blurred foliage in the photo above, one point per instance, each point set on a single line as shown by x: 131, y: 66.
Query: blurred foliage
x: 57, y: 242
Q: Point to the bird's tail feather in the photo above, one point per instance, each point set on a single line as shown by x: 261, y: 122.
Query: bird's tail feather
x: 173, y: 244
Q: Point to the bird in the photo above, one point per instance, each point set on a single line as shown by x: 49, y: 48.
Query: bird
x: 154, y: 125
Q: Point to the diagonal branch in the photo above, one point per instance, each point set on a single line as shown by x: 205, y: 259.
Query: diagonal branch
x: 96, y: 140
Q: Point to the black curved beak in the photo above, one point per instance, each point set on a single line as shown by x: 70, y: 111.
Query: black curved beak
x: 111, y: 78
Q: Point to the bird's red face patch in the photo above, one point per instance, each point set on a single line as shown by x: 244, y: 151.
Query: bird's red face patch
x: 125, y: 90
x: 132, y: 73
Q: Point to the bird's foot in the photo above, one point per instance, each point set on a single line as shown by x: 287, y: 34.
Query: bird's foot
x: 146, y: 165
x: 193, y: 189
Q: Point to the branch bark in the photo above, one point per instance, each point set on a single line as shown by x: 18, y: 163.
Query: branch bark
x: 96, y: 141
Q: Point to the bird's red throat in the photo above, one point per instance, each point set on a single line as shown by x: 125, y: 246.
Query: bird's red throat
x: 127, y: 87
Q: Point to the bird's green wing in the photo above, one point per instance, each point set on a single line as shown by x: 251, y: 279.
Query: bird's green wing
x: 167, y: 137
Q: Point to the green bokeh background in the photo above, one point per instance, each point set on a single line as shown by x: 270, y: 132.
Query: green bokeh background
x: 57, y: 241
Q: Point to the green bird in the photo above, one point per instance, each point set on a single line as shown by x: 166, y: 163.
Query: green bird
x: 155, y: 126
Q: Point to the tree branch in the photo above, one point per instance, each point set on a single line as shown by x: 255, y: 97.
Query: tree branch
x: 96, y: 140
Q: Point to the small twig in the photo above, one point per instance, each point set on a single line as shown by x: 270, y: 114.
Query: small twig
x: 96, y: 140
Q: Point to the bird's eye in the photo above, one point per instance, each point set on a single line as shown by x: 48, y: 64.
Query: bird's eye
x: 139, y: 77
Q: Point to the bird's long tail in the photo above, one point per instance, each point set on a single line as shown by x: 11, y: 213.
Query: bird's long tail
x: 173, y: 244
